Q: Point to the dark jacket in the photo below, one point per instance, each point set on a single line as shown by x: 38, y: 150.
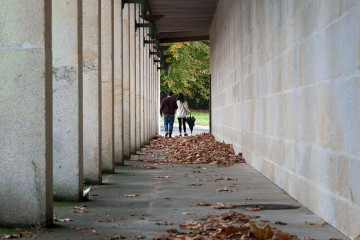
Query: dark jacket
x: 168, y: 106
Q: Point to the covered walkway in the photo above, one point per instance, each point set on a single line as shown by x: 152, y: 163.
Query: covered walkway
x: 80, y: 93
x: 168, y: 196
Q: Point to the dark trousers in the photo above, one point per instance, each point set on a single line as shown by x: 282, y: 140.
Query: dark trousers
x: 182, y: 121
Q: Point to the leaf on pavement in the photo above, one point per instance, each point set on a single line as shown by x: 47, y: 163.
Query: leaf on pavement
x: 80, y: 209
x: 224, y: 206
x: 320, y: 224
x: 226, y: 190
x: 195, y: 184
x: 280, y: 223
x: 118, y: 236
x: 132, y: 195
x: 188, y: 213
x: 190, y: 225
x: 203, y: 204
x: 161, y: 177
x: 63, y: 219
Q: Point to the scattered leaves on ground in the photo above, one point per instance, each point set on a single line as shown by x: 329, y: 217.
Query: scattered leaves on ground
x: 195, y: 184
x: 132, y: 195
x: 9, y: 236
x: 321, y: 224
x: 232, y: 225
x: 80, y: 209
x: 197, y: 149
x: 77, y: 228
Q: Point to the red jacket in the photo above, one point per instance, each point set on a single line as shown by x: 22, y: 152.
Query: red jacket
x: 168, y: 106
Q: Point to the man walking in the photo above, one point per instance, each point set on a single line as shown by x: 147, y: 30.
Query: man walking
x: 168, y: 107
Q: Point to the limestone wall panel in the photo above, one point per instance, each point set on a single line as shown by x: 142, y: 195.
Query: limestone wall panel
x: 288, y: 72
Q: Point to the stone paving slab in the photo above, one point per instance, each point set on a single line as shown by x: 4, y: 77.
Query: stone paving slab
x: 167, y: 199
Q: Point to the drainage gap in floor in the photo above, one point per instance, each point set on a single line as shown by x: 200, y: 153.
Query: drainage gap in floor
x: 268, y: 206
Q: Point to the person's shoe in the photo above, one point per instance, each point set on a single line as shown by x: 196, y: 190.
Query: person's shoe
x: 166, y: 134
x: 170, y: 136
x: 180, y: 135
x: 185, y: 134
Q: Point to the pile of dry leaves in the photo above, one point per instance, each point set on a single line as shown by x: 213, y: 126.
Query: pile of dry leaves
x: 197, y: 149
x: 232, y: 225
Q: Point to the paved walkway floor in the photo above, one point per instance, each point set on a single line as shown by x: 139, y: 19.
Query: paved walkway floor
x: 169, y: 200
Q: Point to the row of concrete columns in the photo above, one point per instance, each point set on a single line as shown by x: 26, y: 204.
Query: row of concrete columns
x: 79, y: 93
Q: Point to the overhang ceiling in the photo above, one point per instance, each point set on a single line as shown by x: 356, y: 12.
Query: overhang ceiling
x: 183, y: 20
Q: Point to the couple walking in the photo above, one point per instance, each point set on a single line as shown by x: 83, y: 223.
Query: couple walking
x: 168, y: 106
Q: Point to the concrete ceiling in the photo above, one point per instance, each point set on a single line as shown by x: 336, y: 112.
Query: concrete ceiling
x: 183, y: 20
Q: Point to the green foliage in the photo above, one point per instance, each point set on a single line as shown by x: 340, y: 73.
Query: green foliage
x: 202, y: 118
x: 189, y: 73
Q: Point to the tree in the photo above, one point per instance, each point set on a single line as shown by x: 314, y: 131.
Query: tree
x: 189, y: 72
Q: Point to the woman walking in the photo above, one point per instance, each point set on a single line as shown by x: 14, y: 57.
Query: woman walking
x: 182, y: 110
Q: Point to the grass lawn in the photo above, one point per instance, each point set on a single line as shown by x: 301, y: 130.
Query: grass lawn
x: 202, y: 117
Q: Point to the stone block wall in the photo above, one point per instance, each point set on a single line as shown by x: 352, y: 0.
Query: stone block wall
x: 286, y: 93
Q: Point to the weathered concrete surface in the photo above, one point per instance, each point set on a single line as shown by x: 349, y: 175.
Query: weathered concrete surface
x: 112, y: 213
x: 138, y: 47
x: 142, y: 80
x: 126, y: 79
x: 92, y: 91
x: 286, y: 90
x: 132, y: 112
x: 25, y: 113
x: 118, y: 83
x: 67, y: 101
x: 107, y: 87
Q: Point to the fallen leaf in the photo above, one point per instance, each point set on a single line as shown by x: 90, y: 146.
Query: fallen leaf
x: 77, y: 228
x: 132, y: 195
x: 203, y: 204
x: 161, y: 177
x: 226, y: 190
x: 280, y: 223
x: 165, y: 223
x: 224, y: 206
x: 230, y: 179
x: 253, y: 209
x: 63, y: 219
x: 108, y: 220
x: 190, y: 225
x: 195, y: 184
x: 321, y: 224
x: 248, y: 199
x: 140, y: 236
x: 139, y: 215
x: 117, y: 236
x: 188, y: 213
x: 265, y: 221
x: 80, y: 209
x: 6, y: 236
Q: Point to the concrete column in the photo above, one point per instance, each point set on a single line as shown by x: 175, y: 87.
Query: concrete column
x: 142, y: 76
x: 92, y: 91
x: 132, y: 112
x: 107, y: 87
x: 118, y: 84
x: 138, y: 79
x: 26, y: 192
x: 146, y: 69
x: 148, y: 92
x: 126, y: 80
x: 67, y: 100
